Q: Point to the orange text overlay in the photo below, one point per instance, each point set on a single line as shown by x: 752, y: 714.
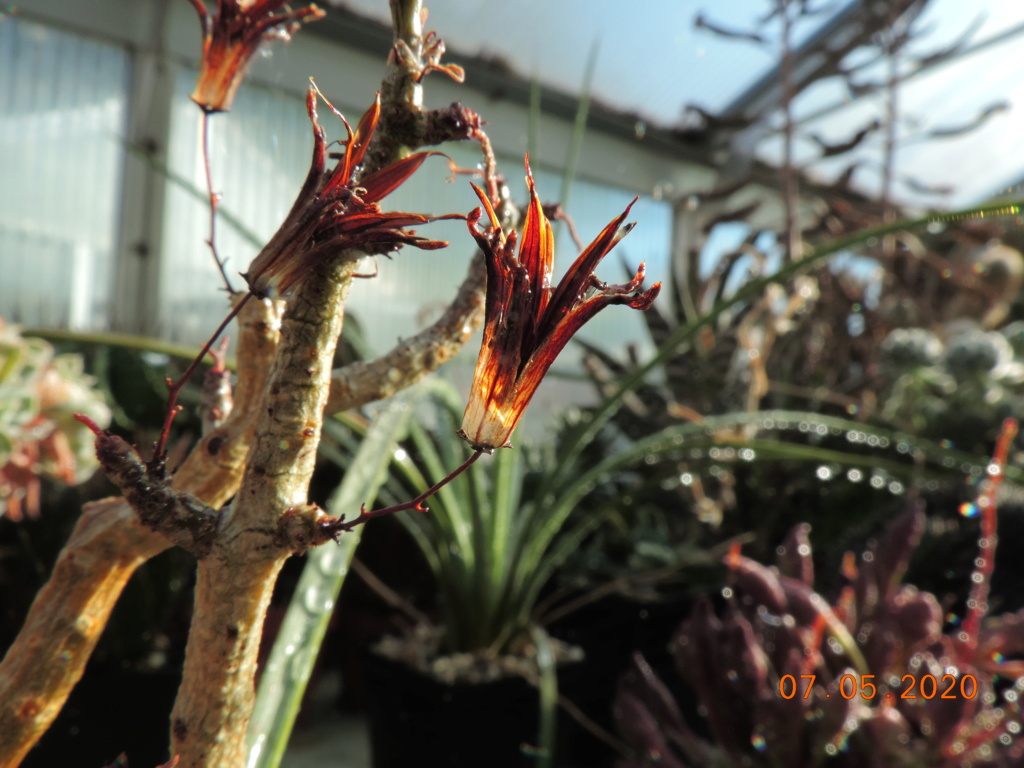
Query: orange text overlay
x: 864, y: 686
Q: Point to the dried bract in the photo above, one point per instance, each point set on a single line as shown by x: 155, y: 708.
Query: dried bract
x: 337, y: 211
x: 528, y: 322
x: 231, y: 37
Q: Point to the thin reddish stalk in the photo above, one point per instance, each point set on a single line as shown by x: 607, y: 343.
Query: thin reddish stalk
x: 416, y: 503
x: 174, y: 387
x: 977, y: 603
x: 214, y: 200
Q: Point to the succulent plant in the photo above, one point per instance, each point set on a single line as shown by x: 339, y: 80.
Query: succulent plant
x: 785, y: 677
x: 976, y: 352
x: 909, y: 348
x: 39, y: 436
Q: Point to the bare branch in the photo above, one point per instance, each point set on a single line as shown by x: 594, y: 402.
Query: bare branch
x: 109, y: 542
x: 364, y: 382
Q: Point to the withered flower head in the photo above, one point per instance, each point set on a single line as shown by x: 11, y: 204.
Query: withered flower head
x: 333, y: 213
x: 231, y: 38
x: 527, y: 322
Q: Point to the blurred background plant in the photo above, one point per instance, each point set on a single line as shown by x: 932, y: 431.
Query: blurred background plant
x: 880, y: 675
x: 39, y: 437
x: 908, y: 332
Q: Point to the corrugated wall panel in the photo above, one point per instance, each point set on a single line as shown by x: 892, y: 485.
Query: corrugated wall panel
x: 62, y: 114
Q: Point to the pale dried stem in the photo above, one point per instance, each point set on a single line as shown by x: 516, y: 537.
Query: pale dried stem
x: 66, y: 619
x: 109, y: 542
x: 235, y: 583
x: 365, y: 382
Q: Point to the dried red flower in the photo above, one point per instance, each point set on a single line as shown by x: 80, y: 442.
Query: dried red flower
x: 527, y: 322
x: 231, y: 38
x: 334, y: 213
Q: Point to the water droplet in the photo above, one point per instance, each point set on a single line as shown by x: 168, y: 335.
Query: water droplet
x: 318, y: 599
x: 400, y: 454
x: 331, y: 561
x: 758, y: 742
x: 854, y: 475
x: 255, y: 750
x: 969, y: 509
x: 824, y: 473
x: 302, y: 664
x: 686, y: 479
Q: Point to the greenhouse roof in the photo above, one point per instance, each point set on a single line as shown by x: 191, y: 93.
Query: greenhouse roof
x: 657, y: 61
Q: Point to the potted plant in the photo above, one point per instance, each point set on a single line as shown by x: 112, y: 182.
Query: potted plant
x: 492, y: 544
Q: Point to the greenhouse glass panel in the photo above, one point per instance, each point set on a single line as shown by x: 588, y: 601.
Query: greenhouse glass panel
x: 62, y: 118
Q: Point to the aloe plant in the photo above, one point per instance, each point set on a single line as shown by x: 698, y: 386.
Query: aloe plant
x: 489, y: 543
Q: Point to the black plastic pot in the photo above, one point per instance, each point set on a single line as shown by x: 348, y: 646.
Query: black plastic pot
x: 108, y: 713
x: 417, y: 720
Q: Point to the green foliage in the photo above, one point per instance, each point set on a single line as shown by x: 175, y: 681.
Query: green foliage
x: 490, y: 543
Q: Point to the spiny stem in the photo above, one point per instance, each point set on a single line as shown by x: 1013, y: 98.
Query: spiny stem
x: 214, y: 199
x: 174, y: 387
x: 417, y: 503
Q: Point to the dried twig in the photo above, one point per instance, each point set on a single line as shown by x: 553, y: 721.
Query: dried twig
x: 109, y: 542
